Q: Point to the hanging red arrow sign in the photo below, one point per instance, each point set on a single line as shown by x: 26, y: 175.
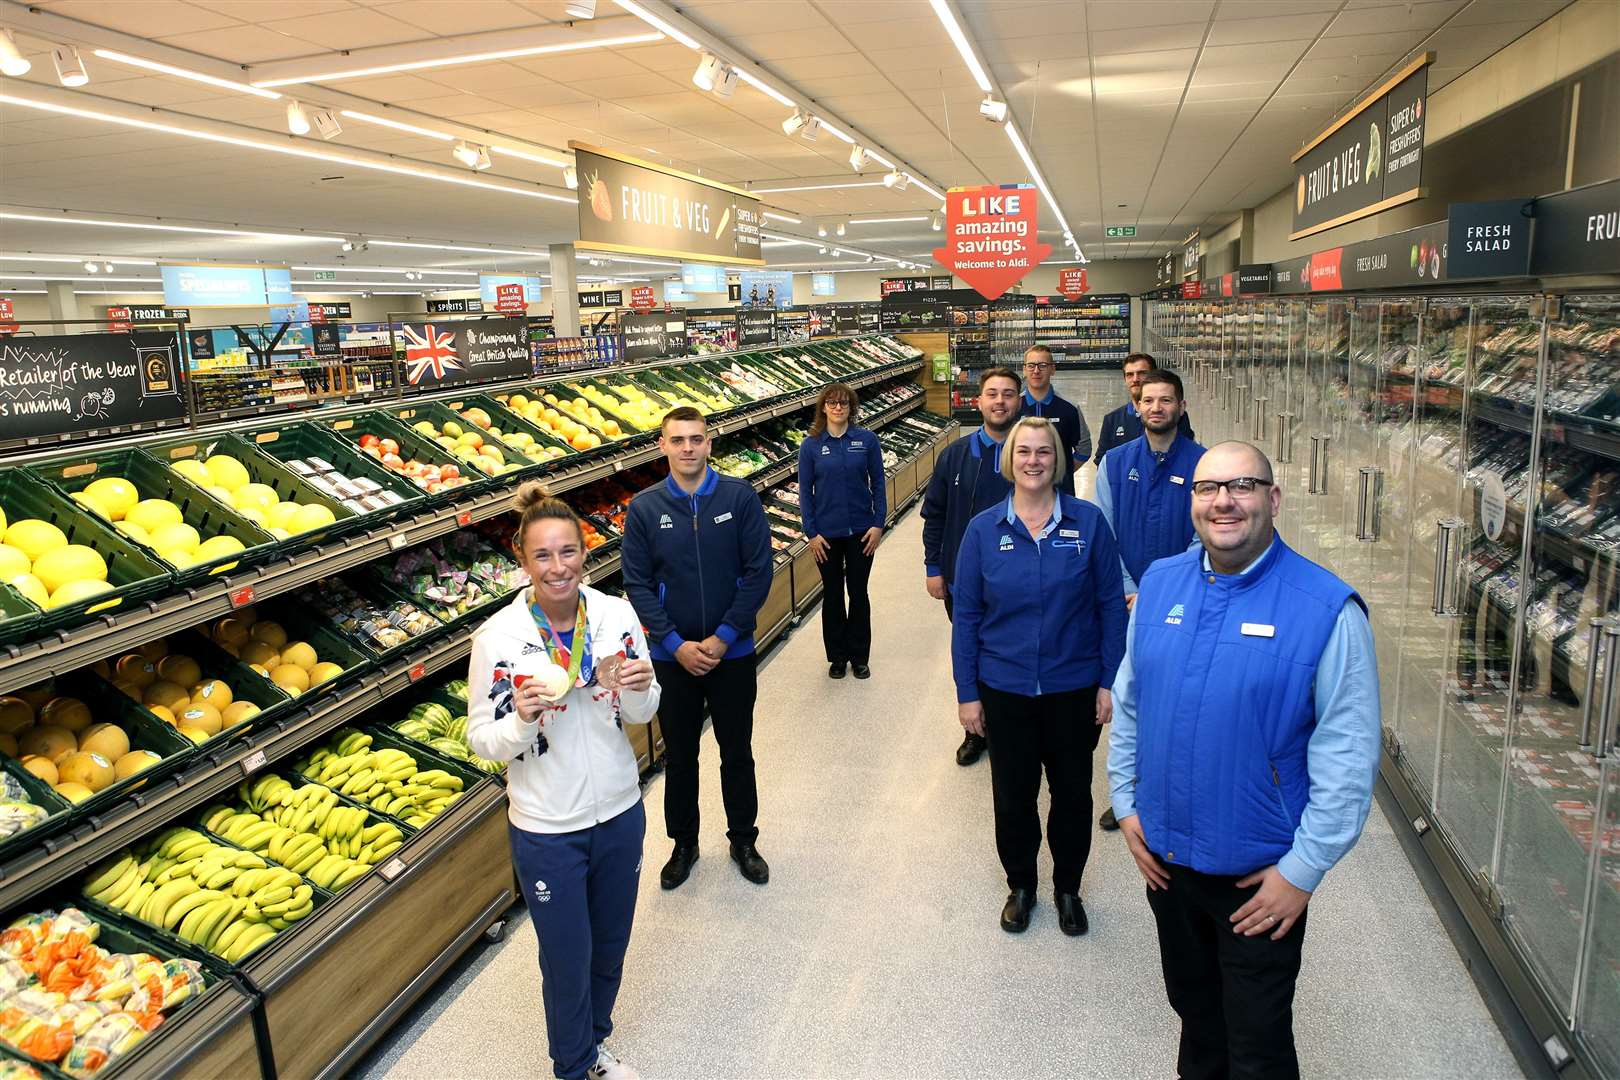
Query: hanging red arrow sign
x: 990, y: 237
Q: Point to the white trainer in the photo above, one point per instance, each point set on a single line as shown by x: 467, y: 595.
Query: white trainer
x: 608, y: 1067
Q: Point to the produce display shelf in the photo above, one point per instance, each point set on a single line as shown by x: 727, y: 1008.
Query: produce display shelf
x: 131, y: 626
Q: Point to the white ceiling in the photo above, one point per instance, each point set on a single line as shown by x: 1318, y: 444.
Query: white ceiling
x: 1164, y: 114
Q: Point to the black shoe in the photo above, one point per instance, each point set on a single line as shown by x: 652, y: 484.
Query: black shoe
x: 1015, y: 913
x: 972, y: 746
x: 748, y: 860
x: 836, y: 670
x: 1071, y: 914
x: 679, y: 867
x: 1108, y: 822
x: 862, y: 671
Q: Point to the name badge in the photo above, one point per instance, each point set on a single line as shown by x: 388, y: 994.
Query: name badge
x: 1178, y: 480
x: 1258, y: 629
x: 1069, y: 532
x: 723, y: 517
x: 856, y: 444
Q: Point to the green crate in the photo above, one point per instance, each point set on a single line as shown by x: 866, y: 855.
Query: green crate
x: 42, y: 795
x: 508, y: 419
x: 268, y: 471
x: 18, y: 615
x: 304, y: 440
x: 329, y: 644
x: 413, y: 445
x: 437, y: 414
x: 197, y: 509
x: 133, y: 574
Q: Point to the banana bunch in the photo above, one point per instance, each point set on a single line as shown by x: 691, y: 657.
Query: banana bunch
x: 227, y: 901
x: 387, y: 780
x: 331, y: 845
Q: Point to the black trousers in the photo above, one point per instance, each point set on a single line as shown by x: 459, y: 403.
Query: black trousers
x: 1234, y: 994
x: 1059, y: 732
x: 846, y: 632
x: 729, y: 692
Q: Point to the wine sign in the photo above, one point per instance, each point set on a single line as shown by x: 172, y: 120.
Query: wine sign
x: 991, y: 240
x: 77, y: 383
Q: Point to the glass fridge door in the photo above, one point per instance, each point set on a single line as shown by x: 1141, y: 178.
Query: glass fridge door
x: 1545, y: 847
x: 1329, y: 442
x: 1498, y: 410
x: 1388, y: 518
x: 1359, y: 445
x: 1436, y: 540
x: 1288, y: 419
x: 1598, y: 993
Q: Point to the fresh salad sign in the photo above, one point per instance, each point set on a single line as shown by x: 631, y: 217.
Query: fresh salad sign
x: 635, y: 206
x: 991, y: 240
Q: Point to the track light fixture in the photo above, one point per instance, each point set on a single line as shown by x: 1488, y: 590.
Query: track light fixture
x: 69, y: 66
x: 580, y: 9
x: 12, y: 61
x: 708, y: 71
x: 726, y: 83
x: 471, y: 154
x: 107, y: 266
x: 935, y: 223
x: 570, y: 178
x: 896, y: 180
x: 297, y: 119
x: 858, y: 156
x: 993, y: 110
x: 821, y: 229
x: 326, y: 125
x: 793, y: 124
x: 841, y: 229
x: 91, y: 267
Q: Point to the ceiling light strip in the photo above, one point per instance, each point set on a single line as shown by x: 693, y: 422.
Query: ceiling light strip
x: 382, y: 121
x: 452, y: 61
x: 963, y: 45
x: 818, y: 187
x: 459, y: 247
x: 679, y: 35
x: 385, y: 270
x: 538, y: 159
x: 1040, y: 181
x: 887, y: 220
x: 184, y: 73
x: 290, y: 148
x: 115, y: 260
x: 56, y: 219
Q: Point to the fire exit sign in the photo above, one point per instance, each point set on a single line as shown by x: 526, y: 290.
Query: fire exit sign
x: 1121, y: 230
x: 325, y: 275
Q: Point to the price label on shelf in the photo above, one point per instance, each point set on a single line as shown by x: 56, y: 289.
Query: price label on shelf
x: 254, y: 762
x: 241, y: 597
x: 396, y: 541
x: 418, y: 670
x: 464, y: 518
x: 391, y: 869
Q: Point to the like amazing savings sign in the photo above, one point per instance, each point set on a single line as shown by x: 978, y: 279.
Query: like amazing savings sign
x: 991, y: 240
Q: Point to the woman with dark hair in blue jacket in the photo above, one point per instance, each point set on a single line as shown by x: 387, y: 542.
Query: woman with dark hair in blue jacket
x: 843, y: 504
x: 1038, y: 633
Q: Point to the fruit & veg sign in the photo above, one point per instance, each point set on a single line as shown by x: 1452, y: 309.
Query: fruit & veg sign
x: 75, y: 383
x: 1370, y: 160
x: 439, y: 354
x: 991, y: 241
x: 635, y: 206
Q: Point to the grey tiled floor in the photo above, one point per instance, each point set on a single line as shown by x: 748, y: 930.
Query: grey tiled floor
x: 874, y: 951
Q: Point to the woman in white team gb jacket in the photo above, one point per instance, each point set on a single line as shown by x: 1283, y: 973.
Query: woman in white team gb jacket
x: 555, y: 676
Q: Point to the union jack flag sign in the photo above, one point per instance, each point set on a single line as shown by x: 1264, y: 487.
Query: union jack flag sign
x: 429, y: 350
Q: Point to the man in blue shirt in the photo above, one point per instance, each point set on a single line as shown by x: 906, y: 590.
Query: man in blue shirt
x: 1241, y: 763
x: 1125, y: 423
x: 1041, y: 400
x: 967, y: 478
x: 697, y: 568
x: 1144, y: 489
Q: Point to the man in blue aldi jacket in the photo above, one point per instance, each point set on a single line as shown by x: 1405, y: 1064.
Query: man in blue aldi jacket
x: 1125, y: 423
x: 1245, y: 744
x: 967, y: 479
x: 1041, y: 400
x: 1144, y: 490
x: 697, y: 567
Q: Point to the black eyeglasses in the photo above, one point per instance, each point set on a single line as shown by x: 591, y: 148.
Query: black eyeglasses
x: 1237, y: 486
x: 836, y: 403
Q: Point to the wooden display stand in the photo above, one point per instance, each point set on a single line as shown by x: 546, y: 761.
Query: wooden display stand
x: 210, y: 1040
x: 777, y: 610
x: 931, y: 342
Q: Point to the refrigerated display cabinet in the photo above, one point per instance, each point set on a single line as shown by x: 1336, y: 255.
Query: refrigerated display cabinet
x: 1456, y: 459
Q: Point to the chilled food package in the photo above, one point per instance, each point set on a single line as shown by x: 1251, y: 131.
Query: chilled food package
x: 72, y: 1003
x: 452, y: 575
x: 380, y: 624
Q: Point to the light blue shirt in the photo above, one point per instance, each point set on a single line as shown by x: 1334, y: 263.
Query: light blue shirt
x: 1102, y: 496
x: 1342, y: 750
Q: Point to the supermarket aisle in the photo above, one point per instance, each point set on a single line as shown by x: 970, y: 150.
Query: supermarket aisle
x: 874, y: 951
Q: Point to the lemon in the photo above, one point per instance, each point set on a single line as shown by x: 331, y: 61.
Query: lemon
x: 150, y: 515
x: 311, y: 516
x: 13, y: 562
x: 258, y: 496
x: 114, y: 495
x: 216, y: 547
x: 176, y: 537
x: 75, y: 562
x: 193, y: 470
x: 74, y: 591
x: 226, y: 471
x: 34, y: 537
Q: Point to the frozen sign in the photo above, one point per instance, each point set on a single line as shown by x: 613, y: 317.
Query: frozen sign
x: 991, y: 239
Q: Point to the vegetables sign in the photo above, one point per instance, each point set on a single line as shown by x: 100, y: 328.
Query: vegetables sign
x: 991, y: 240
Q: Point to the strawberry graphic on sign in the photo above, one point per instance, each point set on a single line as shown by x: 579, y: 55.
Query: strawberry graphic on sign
x: 429, y: 350
x: 991, y: 240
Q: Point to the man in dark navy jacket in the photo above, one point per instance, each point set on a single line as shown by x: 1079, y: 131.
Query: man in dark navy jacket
x: 1041, y: 400
x: 697, y: 567
x: 967, y: 479
x: 1125, y: 423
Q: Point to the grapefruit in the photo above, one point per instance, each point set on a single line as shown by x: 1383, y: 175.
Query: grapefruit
x: 239, y: 712
x: 196, y: 735
x: 84, y: 767
x: 42, y: 767
x: 290, y: 677
x: 74, y: 793
x: 323, y: 672
x: 257, y: 652
x: 162, y: 714
x: 16, y: 715
x: 271, y: 633
x: 34, y: 537
x: 134, y: 762
x: 52, y: 743
x: 67, y: 712
x: 213, y: 692
x: 204, y: 718
x: 170, y: 695
x: 182, y: 670
x: 137, y: 670
x: 300, y: 653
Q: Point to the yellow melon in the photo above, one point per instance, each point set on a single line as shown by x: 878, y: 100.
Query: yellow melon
x: 227, y: 472
x: 176, y: 537
x: 16, y: 715
x: 42, y: 767
x: 65, y: 565
x: 67, y: 712
x: 13, y: 562
x: 162, y: 713
x: 34, y: 537
x: 150, y: 515
x: 33, y: 588
x: 217, y: 547
x: 311, y: 516
x: 134, y: 762
x: 85, y: 767
x: 37, y: 696
x: 53, y: 743
x: 108, y: 740
x: 192, y: 470
x: 136, y: 669
x: 75, y: 591
x: 114, y: 495
x: 74, y: 793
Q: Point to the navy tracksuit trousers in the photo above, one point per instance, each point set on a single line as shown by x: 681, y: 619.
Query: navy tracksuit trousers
x: 581, y: 891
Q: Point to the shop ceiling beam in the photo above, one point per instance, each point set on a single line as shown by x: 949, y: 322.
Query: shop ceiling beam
x: 668, y: 19
x: 47, y: 26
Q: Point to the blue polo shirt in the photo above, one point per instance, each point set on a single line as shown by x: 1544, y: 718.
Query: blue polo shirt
x: 1037, y: 614
x: 841, y: 489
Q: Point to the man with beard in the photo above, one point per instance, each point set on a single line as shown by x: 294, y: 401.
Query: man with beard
x: 967, y: 479
x: 1125, y: 423
x: 1041, y: 400
x: 1242, y: 760
x: 1144, y: 490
